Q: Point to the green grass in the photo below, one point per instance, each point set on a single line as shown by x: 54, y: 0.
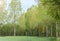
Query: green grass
x: 58, y: 39
x: 26, y: 38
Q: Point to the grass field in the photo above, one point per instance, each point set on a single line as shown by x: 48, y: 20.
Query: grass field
x: 58, y: 39
x: 26, y: 38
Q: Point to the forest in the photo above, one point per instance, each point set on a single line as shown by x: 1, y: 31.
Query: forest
x: 42, y: 20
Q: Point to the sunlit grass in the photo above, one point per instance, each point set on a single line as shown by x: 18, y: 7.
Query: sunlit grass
x: 58, y: 39
x: 26, y: 38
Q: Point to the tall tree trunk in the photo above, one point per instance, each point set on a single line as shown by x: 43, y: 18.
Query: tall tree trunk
x: 43, y: 30
x: 14, y: 31
x: 56, y: 29
x: 46, y: 31
x: 51, y: 31
x: 14, y: 24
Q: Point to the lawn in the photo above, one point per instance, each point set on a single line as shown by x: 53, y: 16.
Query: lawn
x: 26, y: 38
x: 58, y: 39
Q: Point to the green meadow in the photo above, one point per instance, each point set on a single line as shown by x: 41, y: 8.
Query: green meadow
x: 26, y: 38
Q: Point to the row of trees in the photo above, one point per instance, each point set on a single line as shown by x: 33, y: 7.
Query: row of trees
x: 40, y: 20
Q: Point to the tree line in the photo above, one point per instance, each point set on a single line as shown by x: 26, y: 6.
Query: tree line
x: 40, y: 20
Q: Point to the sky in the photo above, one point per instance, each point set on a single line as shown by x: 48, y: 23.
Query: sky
x: 25, y: 4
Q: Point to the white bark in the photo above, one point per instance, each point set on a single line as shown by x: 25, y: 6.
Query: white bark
x: 56, y: 29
